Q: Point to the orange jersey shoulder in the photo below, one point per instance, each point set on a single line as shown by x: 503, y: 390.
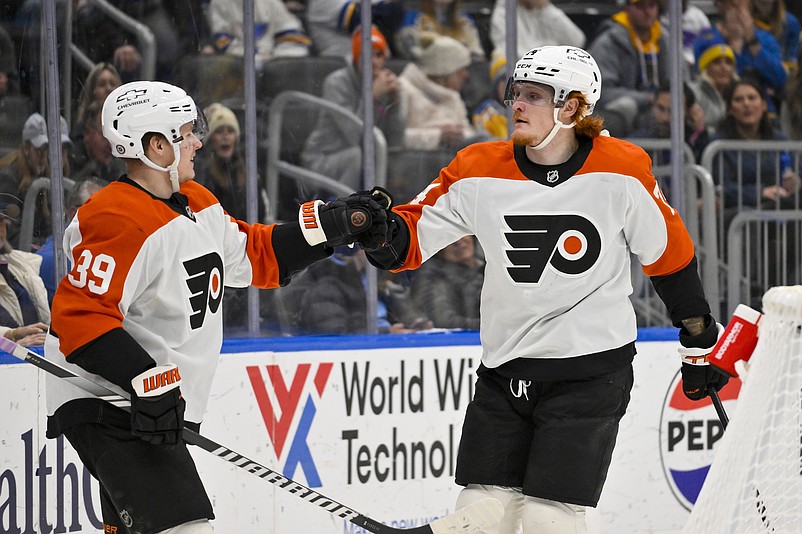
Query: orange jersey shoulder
x: 611, y: 155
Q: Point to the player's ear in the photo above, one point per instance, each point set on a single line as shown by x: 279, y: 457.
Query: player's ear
x: 153, y: 143
x: 570, y: 107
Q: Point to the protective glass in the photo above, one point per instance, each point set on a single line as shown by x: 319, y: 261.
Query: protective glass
x: 531, y: 93
x: 200, y: 128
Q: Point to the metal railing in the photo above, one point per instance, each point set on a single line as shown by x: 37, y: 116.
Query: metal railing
x: 763, y: 251
x: 741, y: 171
x: 276, y: 168
x: 29, y: 206
x: 146, y: 41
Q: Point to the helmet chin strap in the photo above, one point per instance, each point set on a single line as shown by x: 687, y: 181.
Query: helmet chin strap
x: 558, y: 125
x: 172, y: 168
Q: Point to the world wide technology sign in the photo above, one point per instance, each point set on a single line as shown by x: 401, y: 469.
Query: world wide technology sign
x: 377, y: 431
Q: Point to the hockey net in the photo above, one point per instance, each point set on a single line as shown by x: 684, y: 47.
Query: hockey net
x: 755, y: 482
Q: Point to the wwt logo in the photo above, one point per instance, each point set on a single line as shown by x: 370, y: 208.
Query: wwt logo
x: 284, y: 407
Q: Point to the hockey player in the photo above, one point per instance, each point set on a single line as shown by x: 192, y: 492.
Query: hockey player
x: 140, y: 308
x: 557, y: 210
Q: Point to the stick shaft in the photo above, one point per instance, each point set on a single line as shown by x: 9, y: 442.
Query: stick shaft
x: 722, y: 415
x: 194, y: 438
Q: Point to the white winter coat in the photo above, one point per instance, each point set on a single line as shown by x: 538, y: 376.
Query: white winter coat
x: 426, y: 107
x: 25, y: 268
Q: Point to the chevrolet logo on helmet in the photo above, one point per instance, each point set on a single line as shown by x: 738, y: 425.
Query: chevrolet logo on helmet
x: 133, y: 94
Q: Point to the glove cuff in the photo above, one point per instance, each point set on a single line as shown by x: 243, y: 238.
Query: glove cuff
x: 695, y: 350
x: 156, y: 381
x: 704, y: 340
x: 309, y: 221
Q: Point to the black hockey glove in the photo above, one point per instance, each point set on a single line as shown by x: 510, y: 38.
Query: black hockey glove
x: 377, y: 235
x: 157, y: 407
x: 340, y: 221
x: 698, y: 376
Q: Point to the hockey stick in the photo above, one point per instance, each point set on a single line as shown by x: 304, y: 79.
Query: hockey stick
x: 480, y: 514
x: 722, y: 415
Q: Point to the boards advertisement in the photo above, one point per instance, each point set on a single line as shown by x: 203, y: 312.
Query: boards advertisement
x: 373, y: 426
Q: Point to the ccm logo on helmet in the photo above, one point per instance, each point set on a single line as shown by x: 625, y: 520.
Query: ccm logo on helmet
x: 570, y: 244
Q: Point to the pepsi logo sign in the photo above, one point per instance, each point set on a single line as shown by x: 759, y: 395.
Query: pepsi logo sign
x: 689, y: 432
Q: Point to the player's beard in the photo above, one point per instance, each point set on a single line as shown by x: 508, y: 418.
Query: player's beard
x: 522, y: 139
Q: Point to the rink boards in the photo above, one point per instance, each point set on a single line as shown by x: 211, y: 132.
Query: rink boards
x: 373, y: 422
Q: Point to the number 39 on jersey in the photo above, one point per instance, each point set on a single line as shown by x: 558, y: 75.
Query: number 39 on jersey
x: 93, y: 272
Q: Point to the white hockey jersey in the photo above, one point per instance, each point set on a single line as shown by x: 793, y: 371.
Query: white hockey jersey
x: 557, y: 242
x: 140, y: 265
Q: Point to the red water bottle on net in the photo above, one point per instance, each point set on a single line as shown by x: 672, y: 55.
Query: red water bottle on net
x: 738, y: 340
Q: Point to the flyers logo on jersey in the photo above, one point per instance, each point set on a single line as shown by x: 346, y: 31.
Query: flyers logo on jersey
x: 205, y: 283
x: 569, y: 243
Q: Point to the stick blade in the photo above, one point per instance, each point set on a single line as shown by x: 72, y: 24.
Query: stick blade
x: 483, y: 514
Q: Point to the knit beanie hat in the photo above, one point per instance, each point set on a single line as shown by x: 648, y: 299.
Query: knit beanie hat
x: 498, y: 66
x: 218, y: 115
x: 439, y: 55
x: 376, y: 38
x: 712, y: 49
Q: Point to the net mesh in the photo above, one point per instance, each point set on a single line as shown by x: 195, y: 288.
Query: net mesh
x: 755, y: 482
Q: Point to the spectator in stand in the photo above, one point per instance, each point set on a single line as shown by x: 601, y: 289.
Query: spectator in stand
x: 540, y: 23
x: 332, y: 23
x: 330, y: 298
x: 694, y: 22
x: 74, y: 200
x: 433, y: 109
x: 771, y: 16
x: 91, y: 155
x: 8, y: 65
x: 101, y: 80
x: 24, y: 308
x: 716, y: 72
x: 103, y: 40
x: 220, y: 167
x: 791, y: 112
x: 765, y: 180
x: 14, y: 106
x: 757, y: 53
x: 491, y: 118
x: 278, y: 33
x: 20, y: 168
x: 334, y: 147
x: 178, y: 27
x: 443, y: 17
x: 632, y: 53
x: 657, y: 124
x: 26, y: 27
x: 448, y: 288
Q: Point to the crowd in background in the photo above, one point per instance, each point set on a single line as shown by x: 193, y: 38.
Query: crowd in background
x: 439, y: 74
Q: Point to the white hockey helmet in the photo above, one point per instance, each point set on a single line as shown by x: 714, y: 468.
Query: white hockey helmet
x: 137, y: 108
x: 564, y: 68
